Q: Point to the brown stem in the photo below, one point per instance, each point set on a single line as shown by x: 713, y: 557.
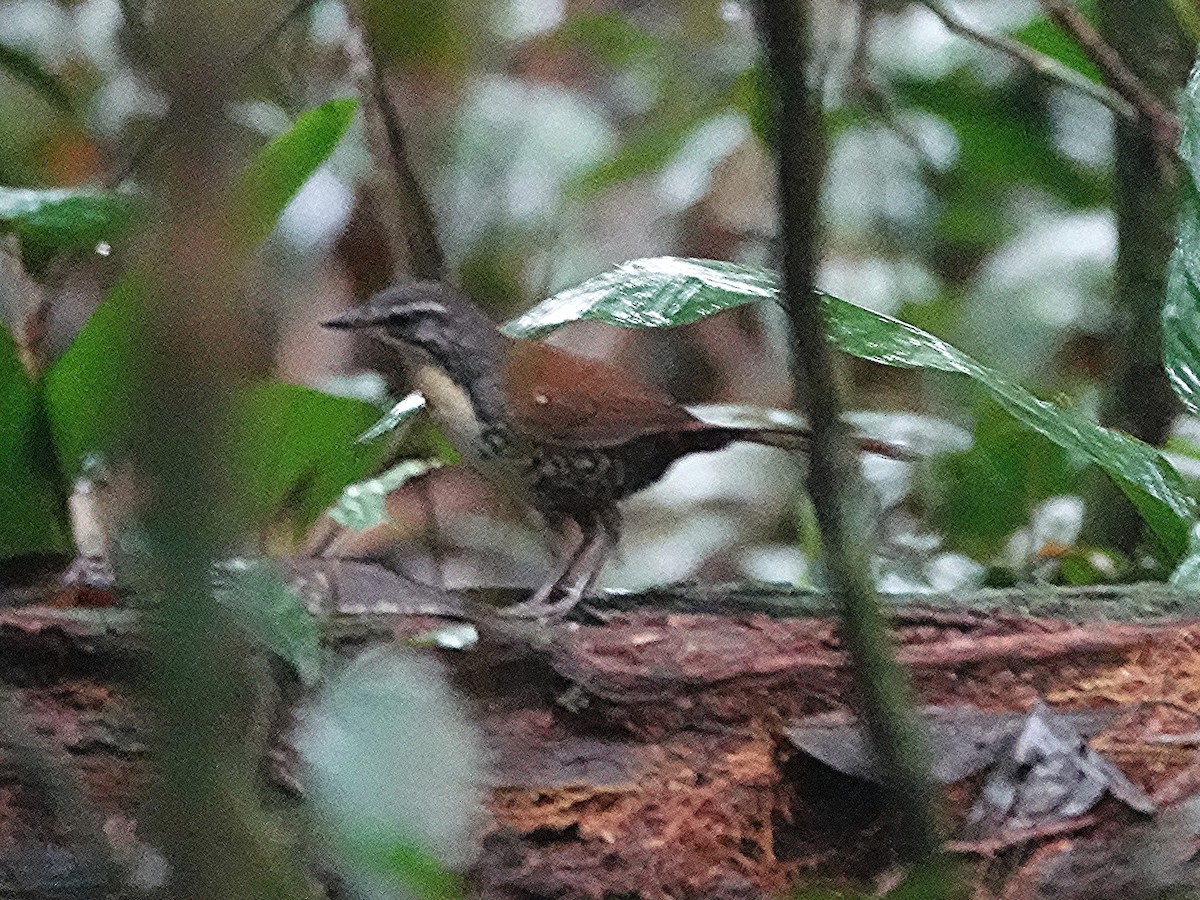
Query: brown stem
x: 1163, y: 125
x: 1046, y: 66
x: 838, y: 492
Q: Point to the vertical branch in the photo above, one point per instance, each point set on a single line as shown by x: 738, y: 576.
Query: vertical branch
x: 406, y: 213
x: 1137, y: 397
x: 197, y: 348
x: 835, y: 484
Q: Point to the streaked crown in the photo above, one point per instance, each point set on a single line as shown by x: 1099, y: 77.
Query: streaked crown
x: 426, y: 314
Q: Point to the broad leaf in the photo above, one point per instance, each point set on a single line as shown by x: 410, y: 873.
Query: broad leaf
x: 87, y: 388
x: 32, y: 517
x: 296, y: 450
x: 63, y: 218
x: 1181, y: 309
x: 271, y: 613
x: 668, y: 291
x: 394, y: 771
x: 363, y: 505
x: 266, y: 188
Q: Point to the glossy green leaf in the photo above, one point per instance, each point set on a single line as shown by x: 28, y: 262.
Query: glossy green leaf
x: 1181, y: 307
x: 25, y: 67
x: 296, y: 450
x: 64, y: 218
x: 669, y: 291
x: 650, y: 293
x: 395, y: 418
x: 363, y: 505
x: 271, y: 613
x: 282, y: 167
x: 32, y: 518
x: 395, y: 768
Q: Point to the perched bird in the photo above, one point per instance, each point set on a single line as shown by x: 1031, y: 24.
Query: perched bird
x: 573, y: 436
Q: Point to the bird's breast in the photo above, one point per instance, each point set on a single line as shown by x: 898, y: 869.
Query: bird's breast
x: 486, y: 446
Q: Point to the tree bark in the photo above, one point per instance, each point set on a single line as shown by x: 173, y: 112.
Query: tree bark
x: 1137, y: 398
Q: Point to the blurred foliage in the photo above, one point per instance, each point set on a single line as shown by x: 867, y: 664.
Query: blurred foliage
x: 396, y: 768
x: 288, y: 435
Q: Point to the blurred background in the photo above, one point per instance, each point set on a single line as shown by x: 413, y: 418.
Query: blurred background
x: 555, y: 138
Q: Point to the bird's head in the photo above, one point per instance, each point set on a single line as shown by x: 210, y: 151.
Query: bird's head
x: 426, y: 315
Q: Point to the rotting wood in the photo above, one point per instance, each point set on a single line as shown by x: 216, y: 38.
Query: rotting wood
x: 645, y: 755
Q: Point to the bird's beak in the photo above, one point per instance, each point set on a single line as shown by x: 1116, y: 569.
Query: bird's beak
x: 362, y: 317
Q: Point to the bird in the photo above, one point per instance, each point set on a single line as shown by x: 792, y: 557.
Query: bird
x: 570, y: 436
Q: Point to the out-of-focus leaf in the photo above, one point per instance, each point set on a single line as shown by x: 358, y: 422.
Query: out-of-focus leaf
x: 395, y: 417
x: 1045, y: 37
x: 982, y: 495
x: 752, y: 95
x: 25, y: 67
x: 296, y: 450
x: 609, y: 37
x: 281, y: 168
x: 32, y: 516
x: 88, y: 388
x: 426, y: 34
x: 1002, y: 138
x: 1181, y: 309
x: 64, y: 218
x: 646, y: 152
x: 271, y: 613
x: 364, y: 504
x: 669, y: 291
x: 395, y: 767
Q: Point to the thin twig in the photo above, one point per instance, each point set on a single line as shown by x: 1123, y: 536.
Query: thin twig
x: 408, y: 216
x: 1046, y: 66
x: 1117, y: 75
x: 268, y: 37
x: 834, y: 481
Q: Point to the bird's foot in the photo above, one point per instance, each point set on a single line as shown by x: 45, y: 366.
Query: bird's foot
x: 546, y: 604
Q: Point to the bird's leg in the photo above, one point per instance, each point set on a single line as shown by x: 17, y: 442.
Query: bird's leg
x: 607, y: 533
x: 538, y: 601
x: 558, y: 596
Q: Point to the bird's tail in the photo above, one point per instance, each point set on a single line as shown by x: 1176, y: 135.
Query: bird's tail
x: 800, y: 439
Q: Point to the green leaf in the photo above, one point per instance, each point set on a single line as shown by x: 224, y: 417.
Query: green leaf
x: 1181, y: 308
x: 395, y: 418
x: 63, y: 218
x: 25, y: 67
x: 32, y: 515
x: 295, y: 450
x: 394, y: 769
x: 282, y: 167
x: 88, y: 388
x: 271, y: 613
x: 1186, y: 576
x: 668, y: 291
x: 650, y: 293
x: 978, y: 497
x: 364, y: 505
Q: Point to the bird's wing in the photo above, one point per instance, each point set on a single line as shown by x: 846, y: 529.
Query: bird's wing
x: 560, y: 397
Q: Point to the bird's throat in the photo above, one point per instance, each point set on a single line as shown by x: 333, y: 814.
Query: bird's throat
x: 483, y: 443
